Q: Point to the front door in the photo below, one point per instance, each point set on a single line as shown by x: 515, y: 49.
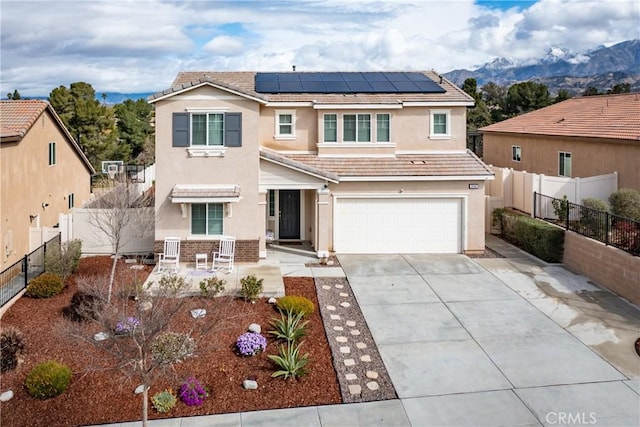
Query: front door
x: 289, y: 214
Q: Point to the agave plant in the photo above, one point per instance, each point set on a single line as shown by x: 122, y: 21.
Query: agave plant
x: 289, y: 360
x: 289, y: 327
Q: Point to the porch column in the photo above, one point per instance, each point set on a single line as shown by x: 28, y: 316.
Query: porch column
x: 262, y: 221
x: 324, y: 214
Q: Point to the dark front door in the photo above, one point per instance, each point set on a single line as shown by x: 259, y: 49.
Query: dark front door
x: 289, y: 214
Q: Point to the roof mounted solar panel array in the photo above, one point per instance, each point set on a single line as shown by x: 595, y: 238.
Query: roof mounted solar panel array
x: 369, y: 82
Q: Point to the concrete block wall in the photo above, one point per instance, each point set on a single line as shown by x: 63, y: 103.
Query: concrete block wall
x: 610, y: 267
x: 246, y: 250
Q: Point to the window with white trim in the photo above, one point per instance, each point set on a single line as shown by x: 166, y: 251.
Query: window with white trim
x: 52, y: 153
x: 285, y: 124
x: 356, y: 128
x: 440, y: 124
x: 330, y: 128
x: 516, y: 153
x: 207, y: 219
x: 564, y: 164
x: 272, y: 203
x: 382, y: 127
x: 207, y: 129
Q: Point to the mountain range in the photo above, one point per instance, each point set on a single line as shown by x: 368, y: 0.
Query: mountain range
x: 560, y: 68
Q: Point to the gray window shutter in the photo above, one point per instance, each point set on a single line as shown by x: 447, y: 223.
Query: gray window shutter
x: 181, y: 130
x: 233, y: 130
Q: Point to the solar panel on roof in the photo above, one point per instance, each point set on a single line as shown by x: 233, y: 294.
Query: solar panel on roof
x: 337, y: 82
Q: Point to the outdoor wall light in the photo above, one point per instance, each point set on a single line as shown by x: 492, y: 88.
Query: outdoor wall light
x: 44, y: 205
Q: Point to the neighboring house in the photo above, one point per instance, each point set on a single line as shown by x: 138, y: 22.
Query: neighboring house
x: 44, y: 173
x: 352, y: 162
x: 579, y: 137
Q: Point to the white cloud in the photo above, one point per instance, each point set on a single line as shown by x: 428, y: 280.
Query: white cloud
x: 135, y: 46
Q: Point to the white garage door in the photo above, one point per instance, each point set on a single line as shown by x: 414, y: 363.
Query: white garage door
x: 427, y: 225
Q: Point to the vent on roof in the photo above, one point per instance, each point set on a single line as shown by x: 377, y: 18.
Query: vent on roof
x: 374, y: 82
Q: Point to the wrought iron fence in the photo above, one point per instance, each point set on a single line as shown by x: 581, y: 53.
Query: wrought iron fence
x: 613, y: 230
x: 16, y: 278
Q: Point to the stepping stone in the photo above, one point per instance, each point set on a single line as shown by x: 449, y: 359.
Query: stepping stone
x: 361, y: 345
x: 345, y: 304
x: 372, y: 385
x: 342, y: 294
x: 355, y: 332
x: 349, y: 362
x: 331, y: 308
x: 339, y: 286
x: 8, y: 395
x: 338, y: 328
x: 351, y: 323
x: 351, y: 377
x: 335, y: 317
x: 355, y: 389
x: 342, y: 339
x: 345, y: 350
x: 366, y: 358
x: 372, y: 375
x: 326, y: 287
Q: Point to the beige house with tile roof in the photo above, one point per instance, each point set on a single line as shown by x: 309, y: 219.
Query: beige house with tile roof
x: 43, y: 171
x: 579, y: 137
x: 352, y: 162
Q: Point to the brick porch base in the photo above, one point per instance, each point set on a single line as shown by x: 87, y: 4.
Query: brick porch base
x: 246, y: 250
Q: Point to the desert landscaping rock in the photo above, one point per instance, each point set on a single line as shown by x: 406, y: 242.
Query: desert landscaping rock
x: 351, y: 377
x: 354, y: 332
x: 145, y: 305
x: 255, y: 328
x: 355, y: 389
x: 198, y: 313
x: 372, y: 385
x: 272, y: 300
x: 365, y: 358
x: 349, y: 362
x: 6, y: 396
x: 326, y: 287
x: 338, y: 328
x: 342, y: 294
x: 100, y: 336
x: 335, y: 317
x: 351, y: 323
x: 331, y: 308
x: 250, y: 384
x: 345, y: 350
x: 139, y: 389
x: 361, y: 345
x: 373, y: 375
x: 345, y: 304
x: 342, y: 339
x: 339, y: 286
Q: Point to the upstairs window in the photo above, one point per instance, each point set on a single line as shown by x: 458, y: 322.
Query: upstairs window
x: 206, y: 219
x: 516, y: 153
x: 330, y: 128
x: 71, y: 200
x: 382, y: 127
x: 564, y: 164
x: 285, y: 124
x: 440, y: 124
x: 356, y: 128
x: 207, y: 129
x: 52, y: 153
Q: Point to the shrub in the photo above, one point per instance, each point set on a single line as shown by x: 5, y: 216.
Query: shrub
x: 290, y: 362
x: 211, y: 287
x: 296, y: 304
x: 251, y: 287
x: 626, y: 202
x: 250, y: 343
x: 534, y: 236
x: 595, y: 204
x: 48, y: 379
x: 45, y: 285
x: 164, y: 401
x: 593, y: 218
x: 63, y: 260
x: 11, y: 348
x: 127, y: 326
x: 561, y: 208
x: 192, y: 392
x: 172, y: 283
x: 84, y: 306
x: 289, y: 326
x: 171, y: 347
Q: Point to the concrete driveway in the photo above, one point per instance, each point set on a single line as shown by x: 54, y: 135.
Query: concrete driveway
x: 502, y: 341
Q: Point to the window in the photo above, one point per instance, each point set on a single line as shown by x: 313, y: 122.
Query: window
x: 564, y: 164
x: 356, y: 127
x: 71, y: 200
x: 207, y: 129
x: 206, y: 218
x: 285, y: 124
x: 516, y: 153
x: 272, y: 203
x: 382, y: 128
x: 52, y: 153
x: 330, y: 128
x: 440, y: 127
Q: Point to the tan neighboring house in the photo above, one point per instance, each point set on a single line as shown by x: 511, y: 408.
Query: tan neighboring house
x: 579, y: 137
x: 44, y: 173
x: 352, y: 162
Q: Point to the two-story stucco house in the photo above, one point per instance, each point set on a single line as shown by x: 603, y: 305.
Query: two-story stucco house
x: 367, y: 162
x: 44, y: 173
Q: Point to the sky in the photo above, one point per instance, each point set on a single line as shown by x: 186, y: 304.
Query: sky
x: 133, y: 46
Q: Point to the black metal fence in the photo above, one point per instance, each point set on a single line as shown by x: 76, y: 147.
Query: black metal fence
x: 16, y: 278
x: 612, y: 230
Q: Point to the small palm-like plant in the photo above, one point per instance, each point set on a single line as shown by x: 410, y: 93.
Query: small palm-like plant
x: 290, y: 361
x: 289, y: 327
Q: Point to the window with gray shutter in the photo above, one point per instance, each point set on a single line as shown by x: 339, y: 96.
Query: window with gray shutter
x: 233, y: 130
x: 181, y: 129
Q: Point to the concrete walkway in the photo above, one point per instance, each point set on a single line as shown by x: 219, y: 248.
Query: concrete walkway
x: 493, y: 341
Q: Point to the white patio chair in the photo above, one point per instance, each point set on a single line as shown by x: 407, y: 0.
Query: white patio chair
x: 171, y: 255
x: 225, y: 254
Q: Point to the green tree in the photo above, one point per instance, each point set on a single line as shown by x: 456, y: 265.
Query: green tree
x: 525, y: 97
x: 562, y: 95
x: 14, y: 96
x: 620, y: 88
x: 590, y: 91
x: 495, y: 97
x: 479, y: 115
x: 134, y: 125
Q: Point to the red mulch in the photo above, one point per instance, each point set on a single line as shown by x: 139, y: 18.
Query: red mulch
x: 96, y: 397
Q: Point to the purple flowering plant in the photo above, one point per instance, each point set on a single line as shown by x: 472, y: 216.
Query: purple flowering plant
x: 192, y: 392
x: 251, y: 343
x: 127, y: 326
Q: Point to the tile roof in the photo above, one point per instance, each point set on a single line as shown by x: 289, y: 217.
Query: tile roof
x: 614, y: 117
x: 205, y: 191
x: 243, y: 82
x: 445, y: 164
